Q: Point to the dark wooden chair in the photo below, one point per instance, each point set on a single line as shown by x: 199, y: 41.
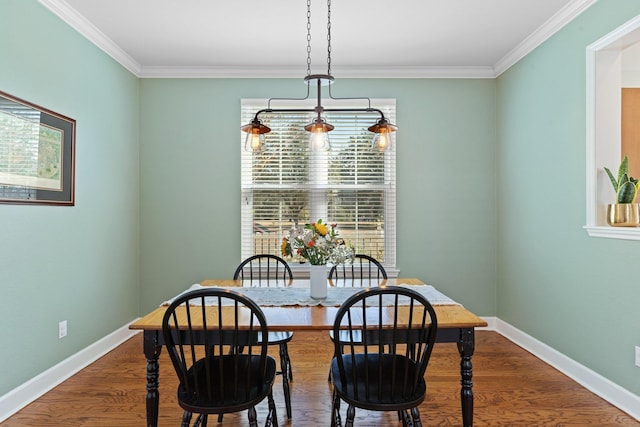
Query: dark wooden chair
x: 385, y: 370
x: 201, y: 330
x: 264, y: 270
x: 367, y: 271
x: 271, y: 270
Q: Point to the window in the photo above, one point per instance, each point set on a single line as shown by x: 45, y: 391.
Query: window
x: 288, y: 184
x: 612, y: 65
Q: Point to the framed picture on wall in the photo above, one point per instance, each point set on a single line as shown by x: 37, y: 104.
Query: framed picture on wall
x: 37, y: 154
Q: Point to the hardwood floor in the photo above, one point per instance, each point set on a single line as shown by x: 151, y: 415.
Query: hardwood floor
x: 511, y: 388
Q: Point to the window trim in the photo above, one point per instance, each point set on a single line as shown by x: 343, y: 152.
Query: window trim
x: 302, y: 270
x: 602, y: 128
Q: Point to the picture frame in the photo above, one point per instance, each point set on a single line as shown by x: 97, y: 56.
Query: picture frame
x: 37, y: 154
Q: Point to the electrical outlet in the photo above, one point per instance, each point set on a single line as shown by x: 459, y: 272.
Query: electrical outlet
x: 62, y: 329
x: 638, y: 356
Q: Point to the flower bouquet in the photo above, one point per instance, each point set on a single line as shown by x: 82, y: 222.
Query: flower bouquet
x: 317, y: 242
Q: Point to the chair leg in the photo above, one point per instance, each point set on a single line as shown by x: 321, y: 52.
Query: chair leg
x: 335, y: 411
x: 405, y: 418
x: 415, y: 414
x: 253, y: 417
x: 284, y: 366
x: 186, y: 419
x: 351, y: 414
x: 220, y: 417
x: 201, y: 421
x: 288, y: 360
x: 272, y: 416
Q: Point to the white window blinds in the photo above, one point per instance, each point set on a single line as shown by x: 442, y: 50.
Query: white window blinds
x: 351, y: 185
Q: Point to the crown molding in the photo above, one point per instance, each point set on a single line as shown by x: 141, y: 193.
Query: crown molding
x: 345, y: 72
x: 79, y: 23
x: 76, y: 21
x: 544, y: 32
x: 407, y: 72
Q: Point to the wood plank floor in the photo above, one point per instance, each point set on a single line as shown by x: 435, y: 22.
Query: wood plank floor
x: 511, y: 387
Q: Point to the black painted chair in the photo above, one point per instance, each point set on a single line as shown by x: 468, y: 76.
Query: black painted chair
x: 385, y: 371
x: 271, y: 270
x: 201, y: 331
x: 367, y: 271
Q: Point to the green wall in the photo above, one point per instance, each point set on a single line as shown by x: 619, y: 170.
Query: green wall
x: 579, y: 295
x: 491, y: 195
x: 190, y: 175
x: 77, y: 263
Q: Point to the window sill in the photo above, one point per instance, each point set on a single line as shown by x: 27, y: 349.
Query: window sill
x: 301, y: 271
x: 624, y: 233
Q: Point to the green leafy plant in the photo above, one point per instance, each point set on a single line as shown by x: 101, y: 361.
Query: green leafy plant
x: 625, y: 186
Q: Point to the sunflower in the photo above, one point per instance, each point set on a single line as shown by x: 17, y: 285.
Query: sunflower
x: 321, y: 228
x: 285, y: 248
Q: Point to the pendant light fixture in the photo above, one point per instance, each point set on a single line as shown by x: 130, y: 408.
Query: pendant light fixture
x: 319, y: 128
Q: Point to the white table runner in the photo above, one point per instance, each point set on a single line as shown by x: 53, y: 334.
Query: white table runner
x: 291, y: 296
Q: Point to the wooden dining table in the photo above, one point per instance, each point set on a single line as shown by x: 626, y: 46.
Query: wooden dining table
x: 455, y: 324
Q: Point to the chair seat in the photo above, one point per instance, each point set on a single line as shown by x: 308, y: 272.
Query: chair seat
x: 277, y: 337
x: 234, y: 395
x: 387, y: 394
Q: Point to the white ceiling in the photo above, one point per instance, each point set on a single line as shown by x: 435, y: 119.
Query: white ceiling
x: 370, y: 38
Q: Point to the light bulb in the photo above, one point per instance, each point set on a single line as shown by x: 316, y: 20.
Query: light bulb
x: 319, y: 140
x: 382, y: 140
x: 254, y: 142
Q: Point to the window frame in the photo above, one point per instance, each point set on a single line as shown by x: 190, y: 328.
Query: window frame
x: 250, y: 106
x: 603, y: 105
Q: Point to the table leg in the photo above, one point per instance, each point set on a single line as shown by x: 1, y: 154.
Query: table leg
x: 152, y: 349
x: 466, y: 347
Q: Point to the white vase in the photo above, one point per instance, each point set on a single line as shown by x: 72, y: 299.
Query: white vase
x: 318, y: 281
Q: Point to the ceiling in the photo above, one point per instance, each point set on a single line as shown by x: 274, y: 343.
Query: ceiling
x: 369, y: 38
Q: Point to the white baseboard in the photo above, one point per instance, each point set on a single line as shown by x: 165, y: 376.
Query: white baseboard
x: 592, y: 381
x: 19, y: 397
x: 491, y: 324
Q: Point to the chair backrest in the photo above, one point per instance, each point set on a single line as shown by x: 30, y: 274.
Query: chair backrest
x: 202, y: 330
x: 366, y: 270
x: 389, y: 333
x: 264, y: 270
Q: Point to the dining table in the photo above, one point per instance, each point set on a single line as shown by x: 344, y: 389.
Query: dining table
x: 288, y: 307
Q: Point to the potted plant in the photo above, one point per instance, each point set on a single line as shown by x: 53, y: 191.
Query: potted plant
x: 625, y: 212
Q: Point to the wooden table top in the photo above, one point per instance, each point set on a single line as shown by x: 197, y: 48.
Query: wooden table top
x: 300, y: 318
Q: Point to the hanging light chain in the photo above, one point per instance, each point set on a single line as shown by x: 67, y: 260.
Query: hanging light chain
x: 382, y: 127
x: 329, y: 37
x: 308, y: 37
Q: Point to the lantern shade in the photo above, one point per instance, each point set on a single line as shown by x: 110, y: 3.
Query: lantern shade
x: 382, y: 138
x: 319, y: 139
x: 319, y: 125
x: 255, y: 140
